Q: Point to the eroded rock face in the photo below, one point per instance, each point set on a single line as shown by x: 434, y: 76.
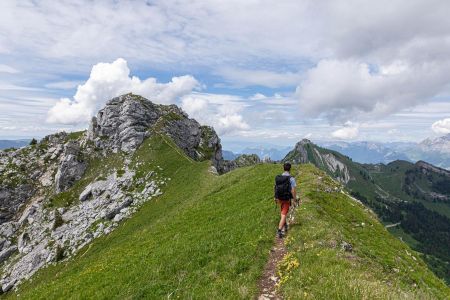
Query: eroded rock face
x: 12, y: 198
x: 242, y: 160
x: 46, y: 235
x: 306, y: 152
x: 299, y: 154
x: 126, y: 120
x: 71, y: 168
x: 123, y: 123
x: 335, y: 166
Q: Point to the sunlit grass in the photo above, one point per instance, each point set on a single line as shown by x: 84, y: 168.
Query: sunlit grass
x: 379, y: 266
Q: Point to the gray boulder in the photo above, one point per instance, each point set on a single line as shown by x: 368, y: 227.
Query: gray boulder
x: 12, y: 198
x: 6, y: 253
x: 71, y: 168
x: 111, y: 214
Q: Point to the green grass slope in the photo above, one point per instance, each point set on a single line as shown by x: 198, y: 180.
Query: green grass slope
x: 205, y: 237
x: 379, y: 267
x: 208, y: 237
x: 400, y: 193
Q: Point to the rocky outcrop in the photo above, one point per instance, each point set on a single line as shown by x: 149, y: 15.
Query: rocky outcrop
x: 242, y: 160
x: 426, y: 168
x: 307, y: 152
x: 126, y: 120
x: 299, y: 155
x: 71, y: 168
x: 25, y: 171
x: 48, y: 235
x: 335, y: 166
x: 12, y: 198
x: 40, y: 226
x: 123, y: 123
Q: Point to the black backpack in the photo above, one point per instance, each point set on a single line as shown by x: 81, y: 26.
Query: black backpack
x: 283, y: 187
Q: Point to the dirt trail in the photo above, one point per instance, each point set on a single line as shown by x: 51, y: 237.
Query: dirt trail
x: 269, y: 279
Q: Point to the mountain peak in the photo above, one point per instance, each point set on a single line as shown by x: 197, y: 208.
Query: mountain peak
x: 429, y: 167
x: 440, y: 144
x: 304, y: 142
x: 127, y: 120
x: 54, y: 193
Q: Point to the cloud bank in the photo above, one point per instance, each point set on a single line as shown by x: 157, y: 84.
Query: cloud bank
x: 352, y: 90
x: 223, y: 112
x: 350, y: 131
x: 441, y: 126
x: 346, y: 59
x: 108, y: 80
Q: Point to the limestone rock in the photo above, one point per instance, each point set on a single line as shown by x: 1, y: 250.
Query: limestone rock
x: 126, y: 120
x: 346, y: 246
x: 123, y: 123
x: 12, y: 198
x: 71, y: 168
x: 242, y: 160
x: 33, y: 235
x: 299, y: 155
x: 6, y: 253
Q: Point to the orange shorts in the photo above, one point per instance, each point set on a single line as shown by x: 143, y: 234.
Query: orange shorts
x: 284, y: 205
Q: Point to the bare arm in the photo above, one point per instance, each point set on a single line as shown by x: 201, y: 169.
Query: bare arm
x: 294, y: 193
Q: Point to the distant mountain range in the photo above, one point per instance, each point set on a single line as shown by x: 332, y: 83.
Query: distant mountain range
x: 5, y: 144
x: 274, y: 154
x: 433, y: 150
x: 439, y: 144
x: 370, y: 152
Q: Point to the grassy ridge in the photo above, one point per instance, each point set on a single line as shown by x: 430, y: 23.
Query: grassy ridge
x: 208, y: 237
x: 379, y: 266
x: 205, y: 237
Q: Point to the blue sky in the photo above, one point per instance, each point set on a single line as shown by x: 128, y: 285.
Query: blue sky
x: 258, y: 71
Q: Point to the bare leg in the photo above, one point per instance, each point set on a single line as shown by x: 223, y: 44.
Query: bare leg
x: 282, y: 221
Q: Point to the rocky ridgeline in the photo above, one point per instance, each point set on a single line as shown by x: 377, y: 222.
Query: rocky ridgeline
x: 307, y: 152
x: 34, y: 232
x: 242, y: 160
x: 127, y: 120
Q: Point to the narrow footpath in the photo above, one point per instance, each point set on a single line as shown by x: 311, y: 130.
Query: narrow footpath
x: 269, y: 279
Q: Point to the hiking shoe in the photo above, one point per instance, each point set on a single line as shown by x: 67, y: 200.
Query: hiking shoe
x: 286, y: 227
x: 279, y: 233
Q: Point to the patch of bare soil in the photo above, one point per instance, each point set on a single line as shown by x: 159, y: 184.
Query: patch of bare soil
x: 269, y: 279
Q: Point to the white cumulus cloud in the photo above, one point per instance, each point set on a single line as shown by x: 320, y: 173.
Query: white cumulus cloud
x: 441, y: 126
x: 350, y: 131
x: 351, y: 90
x: 108, y: 80
x: 223, y: 112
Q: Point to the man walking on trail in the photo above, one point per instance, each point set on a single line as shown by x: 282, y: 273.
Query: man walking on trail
x: 284, y: 193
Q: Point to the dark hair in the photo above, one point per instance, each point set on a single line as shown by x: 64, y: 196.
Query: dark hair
x: 287, y: 166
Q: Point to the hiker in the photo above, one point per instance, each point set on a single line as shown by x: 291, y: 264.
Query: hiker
x: 284, y: 193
